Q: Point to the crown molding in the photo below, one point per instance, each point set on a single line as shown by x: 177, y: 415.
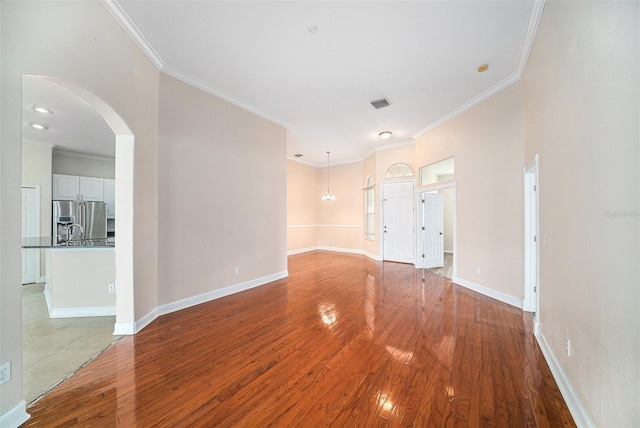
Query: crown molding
x: 83, y: 156
x: 132, y: 30
x: 295, y: 159
x: 394, y: 146
x: 186, y: 78
x: 536, y: 13
x: 323, y: 165
x: 38, y: 143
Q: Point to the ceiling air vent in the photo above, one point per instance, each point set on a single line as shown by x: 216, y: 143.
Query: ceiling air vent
x: 382, y: 102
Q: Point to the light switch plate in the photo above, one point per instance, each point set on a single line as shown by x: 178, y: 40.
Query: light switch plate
x: 5, y: 373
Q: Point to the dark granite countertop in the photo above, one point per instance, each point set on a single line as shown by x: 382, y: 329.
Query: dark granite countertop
x: 51, y: 242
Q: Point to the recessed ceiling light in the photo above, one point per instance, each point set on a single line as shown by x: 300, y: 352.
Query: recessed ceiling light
x: 482, y: 68
x: 39, y: 126
x: 42, y: 110
x: 385, y: 135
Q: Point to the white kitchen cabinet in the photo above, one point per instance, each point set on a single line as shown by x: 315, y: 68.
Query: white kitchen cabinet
x: 65, y: 187
x: 110, y: 197
x: 73, y: 187
x: 92, y: 189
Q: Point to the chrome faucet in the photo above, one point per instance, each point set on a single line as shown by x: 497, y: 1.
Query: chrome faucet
x: 69, y: 231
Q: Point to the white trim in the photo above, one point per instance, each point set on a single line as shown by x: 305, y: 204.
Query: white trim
x: 42, y: 279
x: 82, y: 312
x: 489, y: 292
x: 580, y: 415
x: 531, y: 300
x: 133, y: 328
x: 337, y: 250
x: 349, y: 226
x: 448, y: 251
x: 38, y: 143
x: 216, y: 294
x: 37, y: 260
x: 299, y: 160
x: 536, y: 13
x: 83, y: 156
x: 197, y: 83
x: 15, y: 416
x: 301, y: 250
x: 132, y: 30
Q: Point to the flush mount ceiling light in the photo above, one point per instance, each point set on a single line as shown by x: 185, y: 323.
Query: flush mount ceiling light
x: 42, y: 110
x: 385, y: 135
x: 328, y: 196
x: 39, y: 126
x: 298, y: 155
x: 482, y: 68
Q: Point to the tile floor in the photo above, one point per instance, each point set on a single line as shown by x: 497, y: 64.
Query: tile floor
x: 447, y: 269
x: 55, y: 348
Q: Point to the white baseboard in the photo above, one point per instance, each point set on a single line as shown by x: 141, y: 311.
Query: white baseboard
x: 135, y: 327
x: 498, y: 295
x: 335, y: 249
x: 372, y: 256
x: 83, y: 312
x: 301, y: 250
x: 580, y: 416
x: 15, y: 416
x: 216, y: 294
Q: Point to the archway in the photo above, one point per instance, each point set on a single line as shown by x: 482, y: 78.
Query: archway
x: 125, y: 315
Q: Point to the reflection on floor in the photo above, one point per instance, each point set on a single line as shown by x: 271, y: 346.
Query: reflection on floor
x: 55, y: 348
x: 447, y: 269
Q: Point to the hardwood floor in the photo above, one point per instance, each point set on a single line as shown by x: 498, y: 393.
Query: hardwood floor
x: 344, y: 341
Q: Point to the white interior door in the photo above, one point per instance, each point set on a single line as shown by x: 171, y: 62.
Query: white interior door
x: 397, y: 217
x: 433, y: 229
x: 30, y: 222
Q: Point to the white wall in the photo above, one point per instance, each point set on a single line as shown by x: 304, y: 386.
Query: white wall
x: 222, y: 199
x: 81, y: 42
x: 36, y: 171
x: 87, y: 166
x: 581, y: 111
x: 487, y: 143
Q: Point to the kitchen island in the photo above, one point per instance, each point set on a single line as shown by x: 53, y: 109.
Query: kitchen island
x: 80, y: 277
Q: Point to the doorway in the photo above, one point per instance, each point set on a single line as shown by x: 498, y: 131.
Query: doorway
x: 397, y: 222
x: 436, y: 237
x: 531, y: 300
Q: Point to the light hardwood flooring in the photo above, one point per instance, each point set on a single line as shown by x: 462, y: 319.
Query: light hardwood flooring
x: 344, y: 341
x: 56, y: 348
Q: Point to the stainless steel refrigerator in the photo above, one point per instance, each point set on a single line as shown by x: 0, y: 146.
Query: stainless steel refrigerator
x: 79, y: 220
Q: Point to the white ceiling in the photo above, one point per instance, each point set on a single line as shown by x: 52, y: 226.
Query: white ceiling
x: 74, y: 126
x: 421, y: 55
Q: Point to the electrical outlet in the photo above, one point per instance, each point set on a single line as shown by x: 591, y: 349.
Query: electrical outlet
x: 236, y: 271
x: 5, y: 373
x: 477, y: 270
x: 112, y: 288
x: 567, y: 345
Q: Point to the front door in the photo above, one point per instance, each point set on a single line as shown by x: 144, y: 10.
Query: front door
x: 397, y: 217
x: 30, y: 219
x: 433, y: 230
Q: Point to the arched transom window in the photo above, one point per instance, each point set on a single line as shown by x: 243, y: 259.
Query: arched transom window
x: 398, y: 170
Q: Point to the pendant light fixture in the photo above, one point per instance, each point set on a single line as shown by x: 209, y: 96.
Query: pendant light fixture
x: 328, y: 196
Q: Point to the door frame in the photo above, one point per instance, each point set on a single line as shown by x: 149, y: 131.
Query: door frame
x: 531, y: 300
x: 381, y: 225
x: 36, y: 187
x: 448, y: 184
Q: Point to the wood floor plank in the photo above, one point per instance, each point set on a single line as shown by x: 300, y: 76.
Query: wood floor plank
x: 343, y: 341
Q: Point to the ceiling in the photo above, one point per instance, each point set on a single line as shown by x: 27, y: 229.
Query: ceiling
x: 266, y: 57
x: 73, y: 125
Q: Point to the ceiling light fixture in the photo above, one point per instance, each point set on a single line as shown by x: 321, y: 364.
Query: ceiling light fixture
x: 482, y: 68
x: 385, y: 135
x: 39, y: 126
x: 328, y: 196
x: 42, y: 110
